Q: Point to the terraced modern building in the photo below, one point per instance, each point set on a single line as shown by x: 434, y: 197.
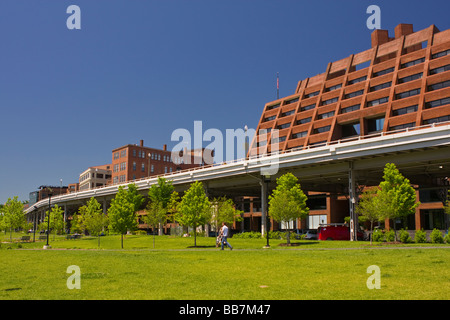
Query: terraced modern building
x: 400, y: 83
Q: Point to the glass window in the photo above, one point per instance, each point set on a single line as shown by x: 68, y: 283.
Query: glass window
x: 405, y: 110
x: 325, y: 115
x: 350, y: 130
x: 437, y: 103
x: 439, y: 85
x: 410, y: 78
x: 309, y: 107
x: 380, y: 86
x: 412, y: 63
x: 330, y: 101
x: 351, y: 108
x: 312, y: 94
x: 440, y: 69
x: 299, y: 134
x: 377, y: 101
x: 440, y: 54
x: 354, y: 94
x: 361, y: 79
x: 406, y: 94
x: 303, y: 121
x: 322, y: 129
x: 375, y: 125
x: 382, y: 72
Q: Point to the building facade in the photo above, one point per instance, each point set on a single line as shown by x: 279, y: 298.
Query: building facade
x: 401, y: 83
x: 132, y: 161
x: 94, y: 177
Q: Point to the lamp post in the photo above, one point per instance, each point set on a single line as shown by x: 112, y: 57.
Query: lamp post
x: 34, y: 227
x: 47, y: 246
x: 266, y: 181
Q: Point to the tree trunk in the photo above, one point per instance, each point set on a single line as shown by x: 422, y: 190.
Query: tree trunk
x: 98, y: 240
x: 288, y: 237
x: 121, y: 239
x: 195, y: 235
x: 371, y: 231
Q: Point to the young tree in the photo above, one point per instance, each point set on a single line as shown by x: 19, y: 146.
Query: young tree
x: 369, y: 207
x: 134, y: 197
x: 122, y: 211
x: 194, y: 209
x: 155, y: 217
x: 447, y: 203
x: 13, y: 216
x: 224, y: 210
x: 288, y: 202
x: 56, y: 219
x: 396, y: 195
x: 94, y: 219
x: 159, y: 195
x: 77, y: 225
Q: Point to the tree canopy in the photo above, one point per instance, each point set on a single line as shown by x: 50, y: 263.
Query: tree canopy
x: 194, y: 209
x: 287, y: 201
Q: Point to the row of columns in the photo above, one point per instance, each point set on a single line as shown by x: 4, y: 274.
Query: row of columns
x: 353, y: 199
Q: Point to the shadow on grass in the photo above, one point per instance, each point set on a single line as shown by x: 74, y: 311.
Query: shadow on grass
x: 201, y: 247
x: 298, y: 244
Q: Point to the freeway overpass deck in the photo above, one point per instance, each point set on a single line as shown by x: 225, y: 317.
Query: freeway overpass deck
x: 422, y: 154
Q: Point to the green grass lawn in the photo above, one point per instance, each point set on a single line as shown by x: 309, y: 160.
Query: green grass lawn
x: 176, y: 270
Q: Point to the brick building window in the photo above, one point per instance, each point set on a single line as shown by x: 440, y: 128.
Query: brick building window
x: 405, y: 110
x: 407, y: 94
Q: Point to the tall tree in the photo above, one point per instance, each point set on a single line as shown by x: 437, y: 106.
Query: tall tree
x: 369, y: 206
x: 155, y: 217
x: 56, y: 219
x: 397, y: 196
x: 194, y: 209
x: 13, y: 215
x: 224, y: 210
x: 159, y: 195
x: 94, y: 219
x: 134, y: 197
x: 287, y: 201
x: 122, y: 212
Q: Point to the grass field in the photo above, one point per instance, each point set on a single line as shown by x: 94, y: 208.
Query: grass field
x: 175, y: 270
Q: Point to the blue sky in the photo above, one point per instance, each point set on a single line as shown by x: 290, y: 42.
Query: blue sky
x: 139, y: 69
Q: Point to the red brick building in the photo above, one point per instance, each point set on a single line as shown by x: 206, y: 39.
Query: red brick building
x: 400, y: 83
x: 132, y: 161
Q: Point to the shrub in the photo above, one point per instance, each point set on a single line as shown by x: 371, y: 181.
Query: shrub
x: 404, y: 236
x: 378, y: 235
x: 248, y: 235
x: 420, y: 236
x: 436, y: 236
x: 389, y: 235
x: 447, y: 237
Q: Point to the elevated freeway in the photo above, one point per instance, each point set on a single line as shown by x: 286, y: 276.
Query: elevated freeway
x: 422, y: 154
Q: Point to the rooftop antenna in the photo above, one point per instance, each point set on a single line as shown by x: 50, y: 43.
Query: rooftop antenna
x: 278, y: 87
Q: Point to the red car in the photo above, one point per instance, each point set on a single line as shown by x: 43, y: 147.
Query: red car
x: 336, y: 232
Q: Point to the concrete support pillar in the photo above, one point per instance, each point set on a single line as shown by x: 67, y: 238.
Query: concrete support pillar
x: 263, y: 207
x: 353, y: 199
x: 65, y: 218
